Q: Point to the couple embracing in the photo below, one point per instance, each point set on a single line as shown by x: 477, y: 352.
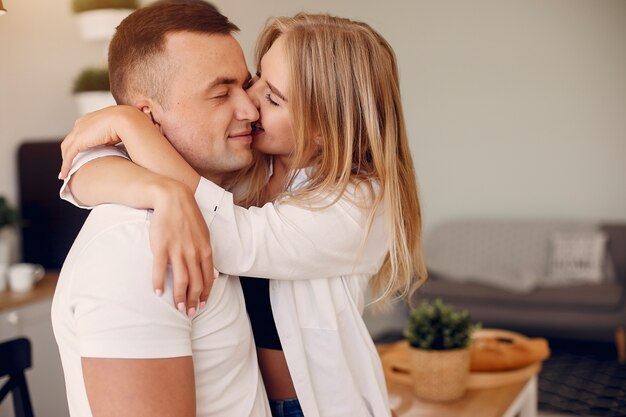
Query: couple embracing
x: 226, y: 264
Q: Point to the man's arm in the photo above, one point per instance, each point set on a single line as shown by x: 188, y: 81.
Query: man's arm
x: 140, y: 387
x: 135, y: 348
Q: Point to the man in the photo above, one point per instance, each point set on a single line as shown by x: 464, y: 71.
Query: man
x: 125, y: 350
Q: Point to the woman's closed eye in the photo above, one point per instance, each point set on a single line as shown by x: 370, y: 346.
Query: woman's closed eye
x: 268, y: 97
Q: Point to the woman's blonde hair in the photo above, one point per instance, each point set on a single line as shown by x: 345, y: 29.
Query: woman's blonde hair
x: 344, y: 89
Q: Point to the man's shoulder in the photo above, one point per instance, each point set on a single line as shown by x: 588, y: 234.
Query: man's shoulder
x: 117, y: 213
x: 114, y: 216
x: 113, y: 243
x: 114, y: 226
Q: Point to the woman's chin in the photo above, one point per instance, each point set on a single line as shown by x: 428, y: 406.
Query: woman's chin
x: 257, y: 144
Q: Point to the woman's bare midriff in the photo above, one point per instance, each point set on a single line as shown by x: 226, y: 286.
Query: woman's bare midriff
x: 275, y: 372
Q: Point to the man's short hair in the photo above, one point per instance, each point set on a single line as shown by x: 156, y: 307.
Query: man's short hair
x: 135, y: 64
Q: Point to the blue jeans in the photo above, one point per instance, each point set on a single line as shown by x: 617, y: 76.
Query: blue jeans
x: 286, y: 408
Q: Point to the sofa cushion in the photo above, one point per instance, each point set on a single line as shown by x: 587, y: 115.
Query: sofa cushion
x: 576, y: 258
x: 605, y: 296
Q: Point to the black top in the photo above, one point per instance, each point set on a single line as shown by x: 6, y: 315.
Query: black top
x: 256, y: 292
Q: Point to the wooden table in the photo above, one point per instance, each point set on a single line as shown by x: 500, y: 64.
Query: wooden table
x: 519, y: 399
x: 44, y: 289
x: 509, y: 394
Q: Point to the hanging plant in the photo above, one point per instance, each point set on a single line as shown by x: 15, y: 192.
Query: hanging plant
x: 9, y: 216
x: 92, y: 79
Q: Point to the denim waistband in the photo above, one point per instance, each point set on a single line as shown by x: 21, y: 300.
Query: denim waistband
x: 286, y: 408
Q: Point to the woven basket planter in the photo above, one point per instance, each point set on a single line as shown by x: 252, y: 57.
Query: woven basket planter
x: 440, y: 375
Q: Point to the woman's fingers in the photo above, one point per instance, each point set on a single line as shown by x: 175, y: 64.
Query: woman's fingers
x: 91, y: 130
x: 208, y: 275
x: 189, y: 282
x: 179, y: 235
x: 68, y: 153
x: 181, y: 281
x: 196, y: 285
x: 71, y: 144
x: 159, y: 271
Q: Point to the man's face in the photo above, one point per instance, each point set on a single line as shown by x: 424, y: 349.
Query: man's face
x: 206, y: 113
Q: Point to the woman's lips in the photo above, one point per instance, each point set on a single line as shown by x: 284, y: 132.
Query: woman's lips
x: 257, y: 129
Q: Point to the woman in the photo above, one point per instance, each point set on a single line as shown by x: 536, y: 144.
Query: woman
x: 337, y: 158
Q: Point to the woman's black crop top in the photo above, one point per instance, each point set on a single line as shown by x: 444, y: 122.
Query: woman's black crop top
x: 256, y: 292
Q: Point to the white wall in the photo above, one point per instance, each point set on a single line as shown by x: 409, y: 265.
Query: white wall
x: 515, y: 109
x: 40, y: 54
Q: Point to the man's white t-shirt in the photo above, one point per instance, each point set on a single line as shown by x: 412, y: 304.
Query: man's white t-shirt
x: 104, y: 307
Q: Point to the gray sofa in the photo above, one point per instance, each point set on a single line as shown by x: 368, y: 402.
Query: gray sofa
x: 584, y: 311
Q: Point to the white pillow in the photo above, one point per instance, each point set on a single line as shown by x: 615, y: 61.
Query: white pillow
x: 576, y: 258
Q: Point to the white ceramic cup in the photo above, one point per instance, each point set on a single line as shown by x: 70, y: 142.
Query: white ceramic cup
x: 22, y: 277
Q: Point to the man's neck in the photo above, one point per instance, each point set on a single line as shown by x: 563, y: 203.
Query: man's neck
x: 214, y: 177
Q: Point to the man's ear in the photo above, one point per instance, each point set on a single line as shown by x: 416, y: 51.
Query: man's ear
x: 149, y: 108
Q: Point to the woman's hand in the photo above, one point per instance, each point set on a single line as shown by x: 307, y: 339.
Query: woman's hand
x: 102, y: 127
x: 179, y: 236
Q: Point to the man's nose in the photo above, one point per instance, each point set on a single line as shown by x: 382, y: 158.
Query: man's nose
x: 254, y: 92
x: 247, y: 109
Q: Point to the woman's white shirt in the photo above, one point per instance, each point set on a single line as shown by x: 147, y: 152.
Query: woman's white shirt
x: 81, y: 159
x: 319, y: 262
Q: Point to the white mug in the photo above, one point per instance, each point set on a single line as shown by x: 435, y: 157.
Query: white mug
x: 22, y: 277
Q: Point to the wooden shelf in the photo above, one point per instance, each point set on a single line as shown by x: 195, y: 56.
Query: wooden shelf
x: 43, y: 290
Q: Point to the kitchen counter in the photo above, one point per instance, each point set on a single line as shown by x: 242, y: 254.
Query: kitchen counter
x: 28, y: 315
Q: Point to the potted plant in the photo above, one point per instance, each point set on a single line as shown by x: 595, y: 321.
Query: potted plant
x: 97, y: 19
x: 439, y: 337
x: 8, y: 214
x: 91, y: 90
x: 9, y: 217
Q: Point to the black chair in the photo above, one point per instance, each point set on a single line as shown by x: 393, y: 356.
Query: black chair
x: 15, y: 358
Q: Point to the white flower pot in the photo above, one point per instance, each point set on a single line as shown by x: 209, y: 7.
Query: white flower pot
x: 5, y: 261
x: 93, y: 100
x: 8, y: 244
x: 5, y: 251
x: 99, y: 25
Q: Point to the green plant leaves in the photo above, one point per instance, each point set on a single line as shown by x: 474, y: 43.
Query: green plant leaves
x: 9, y: 216
x: 85, y: 5
x: 92, y: 79
x: 437, y: 326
